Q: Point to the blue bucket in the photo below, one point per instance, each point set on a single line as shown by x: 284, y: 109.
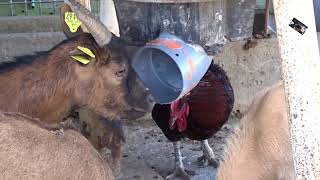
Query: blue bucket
x: 169, y: 67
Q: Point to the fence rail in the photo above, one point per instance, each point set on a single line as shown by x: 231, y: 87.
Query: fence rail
x: 32, y: 3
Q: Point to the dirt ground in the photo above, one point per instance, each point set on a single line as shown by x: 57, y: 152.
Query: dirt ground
x: 148, y: 147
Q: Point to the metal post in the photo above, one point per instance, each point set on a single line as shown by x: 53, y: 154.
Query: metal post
x: 54, y: 6
x: 301, y: 74
x: 26, y: 7
x: 11, y: 9
x: 40, y: 8
x: 316, y: 5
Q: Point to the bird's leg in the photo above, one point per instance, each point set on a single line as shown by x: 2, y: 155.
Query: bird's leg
x: 179, y: 168
x: 208, y: 155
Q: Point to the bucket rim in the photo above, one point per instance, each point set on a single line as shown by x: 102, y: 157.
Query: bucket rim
x: 136, y: 58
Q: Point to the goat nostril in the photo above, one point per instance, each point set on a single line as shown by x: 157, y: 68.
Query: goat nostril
x: 120, y: 73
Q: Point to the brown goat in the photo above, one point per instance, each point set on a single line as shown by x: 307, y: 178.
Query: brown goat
x: 51, y: 85
x: 29, y: 150
x: 260, y: 149
x: 102, y: 133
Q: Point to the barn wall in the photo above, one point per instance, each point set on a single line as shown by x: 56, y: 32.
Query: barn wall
x: 19, y: 24
x: 250, y: 70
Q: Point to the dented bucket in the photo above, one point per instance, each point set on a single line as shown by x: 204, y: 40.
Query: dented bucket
x: 169, y: 67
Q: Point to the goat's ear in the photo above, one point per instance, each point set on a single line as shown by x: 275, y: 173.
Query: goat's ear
x: 82, y: 55
x: 70, y: 24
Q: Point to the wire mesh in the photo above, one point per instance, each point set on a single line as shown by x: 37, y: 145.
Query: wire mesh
x: 35, y: 7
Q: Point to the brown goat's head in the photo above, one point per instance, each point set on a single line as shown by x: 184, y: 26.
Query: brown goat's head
x: 105, y: 83
x: 100, y: 84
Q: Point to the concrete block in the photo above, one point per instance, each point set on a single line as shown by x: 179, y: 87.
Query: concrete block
x: 250, y: 70
x: 27, y: 24
x: 16, y: 44
x: 240, y: 16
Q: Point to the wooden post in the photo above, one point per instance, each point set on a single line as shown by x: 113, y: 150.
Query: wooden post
x: 266, y: 19
x: 108, y: 16
x: 301, y: 74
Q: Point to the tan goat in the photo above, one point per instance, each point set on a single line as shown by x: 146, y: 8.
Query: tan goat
x: 29, y: 150
x: 260, y: 149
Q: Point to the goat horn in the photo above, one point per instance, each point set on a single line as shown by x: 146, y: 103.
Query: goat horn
x: 100, y: 32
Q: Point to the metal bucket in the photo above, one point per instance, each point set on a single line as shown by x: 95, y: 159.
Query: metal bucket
x: 169, y: 67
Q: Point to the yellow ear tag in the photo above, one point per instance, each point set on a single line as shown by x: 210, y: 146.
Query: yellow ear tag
x: 72, y: 21
x: 81, y: 59
x: 86, y: 51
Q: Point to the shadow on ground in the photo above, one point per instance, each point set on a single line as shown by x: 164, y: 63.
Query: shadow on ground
x: 149, y: 155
